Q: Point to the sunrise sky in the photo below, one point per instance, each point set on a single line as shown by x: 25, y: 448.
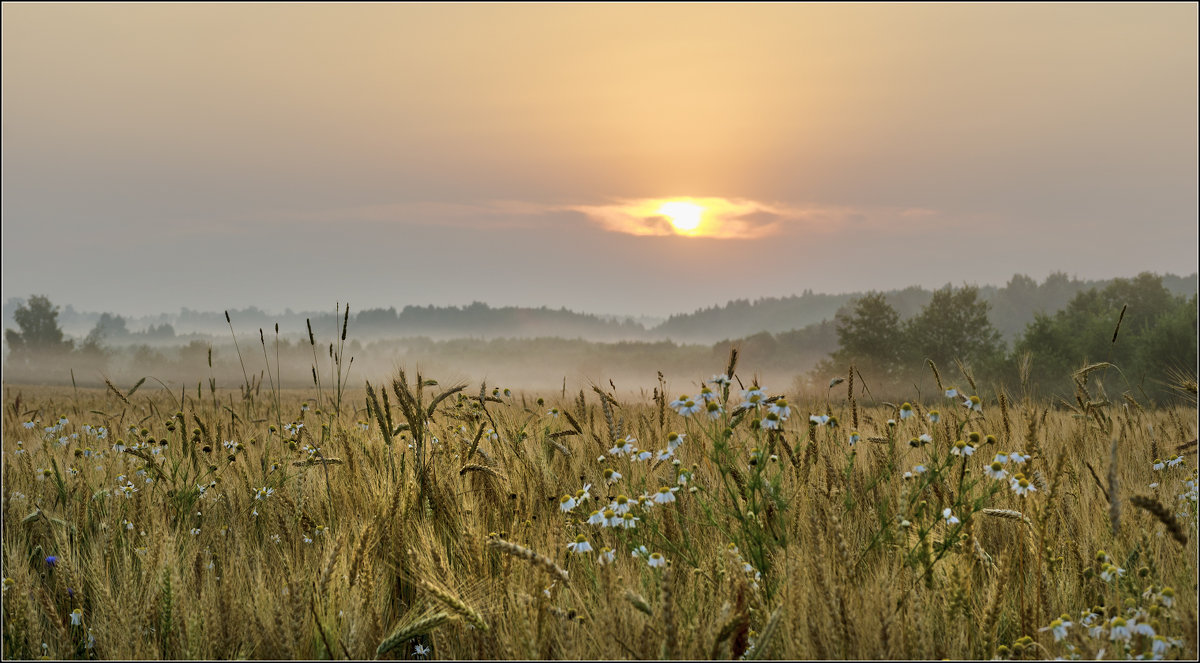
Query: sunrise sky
x: 222, y: 155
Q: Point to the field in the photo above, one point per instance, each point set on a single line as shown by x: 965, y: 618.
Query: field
x: 425, y: 520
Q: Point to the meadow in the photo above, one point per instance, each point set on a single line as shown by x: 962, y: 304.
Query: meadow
x: 720, y: 520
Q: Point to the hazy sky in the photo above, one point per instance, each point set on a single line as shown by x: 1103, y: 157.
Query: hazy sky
x: 222, y: 155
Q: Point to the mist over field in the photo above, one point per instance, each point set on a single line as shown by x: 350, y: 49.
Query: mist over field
x: 787, y: 342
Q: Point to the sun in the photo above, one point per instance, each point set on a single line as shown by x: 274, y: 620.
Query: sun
x: 683, y: 215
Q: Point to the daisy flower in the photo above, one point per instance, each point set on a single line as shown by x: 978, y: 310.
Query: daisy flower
x: 640, y: 551
x: 996, y: 470
x: 906, y: 411
x: 1021, y: 486
x: 973, y: 403
x: 642, y: 455
x: 925, y: 438
x: 720, y: 379
x: 1017, y: 458
x: 552, y: 413
x: 665, y: 495
x: 949, y: 517
x: 855, y: 438
x: 1119, y: 630
x: 657, y: 560
x: 713, y: 409
x: 566, y: 503
x: 629, y: 521
x: 664, y: 454
x: 579, y: 545
x: 934, y: 416
x: 623, y: 446
x: 596, y: 518
x: 621, y: 504
x: 819, y: 420
x: 263, y: 493
x: 77, y: 617
x: 674, y: 440
x: 951, y: 392
x: 420, y: 650
x: 707, y: 395
x: 770, y: 422
x: 607, y: 556
x: 1158, y: 464
x: 612, y: 476
x: 1058, y: 627
x: 780, y: 407
x: 962, y: 449
x: 611, y: 519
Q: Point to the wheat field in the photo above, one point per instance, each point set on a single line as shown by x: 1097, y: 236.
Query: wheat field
x: 421, y: 520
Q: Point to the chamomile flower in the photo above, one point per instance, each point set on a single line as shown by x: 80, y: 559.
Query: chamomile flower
x: 665, y: 495
x: 195, y: 531
x: 714, y: 410
x: 664, y: 454
x: 1119, y: 630
x: 128, y: 490
x: 996, y: 470
x: 77, y: 617
x: 674, y: 440
x: 720, y: 379
x: 420, y: 650
x: 1159, y: 464
x: 906, y: 411
x: 1167, y: 596
x: 579, y: 545
x: 29, y: 424
x: 973, y: 403
x: 642, y: 455
x: 684, y: 477
x: 1058, y: 627
x: 607, y: 556
x: 934, y: 416
x: 781, y: 408
x: 951, y: 392
x: 263, y: 493
x: 657, y: 561
x: 707, y: 395
x: 1175, y: 461
x: 855, y: 438
x: 596, y: 518
x: 566, y: 503
x: 629, y: 521
x: 610, y: 518
x: 611, y: 476
x: 552, y: 413
x: 919, y: 469
x: 621, y: 505
x: 1021, y: 486
x: 690, y: 407
x: 819, y: 420
x: 624, y: 446
x: 1017, y: 458
x: 949, y: 517
x: 770, y: 421
x: 1111, y: 572
x: 962, y: 449
x: 639, y: 551
x: 9, y: 582
x: 583, y: 494
x: 925, y: 438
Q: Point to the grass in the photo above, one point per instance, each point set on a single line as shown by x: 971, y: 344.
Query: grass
x: 289, y: 524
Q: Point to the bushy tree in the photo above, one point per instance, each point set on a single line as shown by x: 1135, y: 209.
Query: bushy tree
x: 955, y: 325
x: 40, y: 333
x: 870, y: 336
x: 1157, y: 333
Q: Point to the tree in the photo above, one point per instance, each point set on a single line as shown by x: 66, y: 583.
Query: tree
x: 108, y: 326
x: 955, y: 325
x: 40, y: 333
x: 870, y: 337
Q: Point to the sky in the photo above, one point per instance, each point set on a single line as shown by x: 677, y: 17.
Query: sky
x: 638, y: 159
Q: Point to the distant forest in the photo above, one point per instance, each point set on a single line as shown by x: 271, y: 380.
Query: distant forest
x: 1012, y: 307
x: 1050, y: 328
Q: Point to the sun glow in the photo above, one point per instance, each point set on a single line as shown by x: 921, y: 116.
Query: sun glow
x: 683, y: 215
